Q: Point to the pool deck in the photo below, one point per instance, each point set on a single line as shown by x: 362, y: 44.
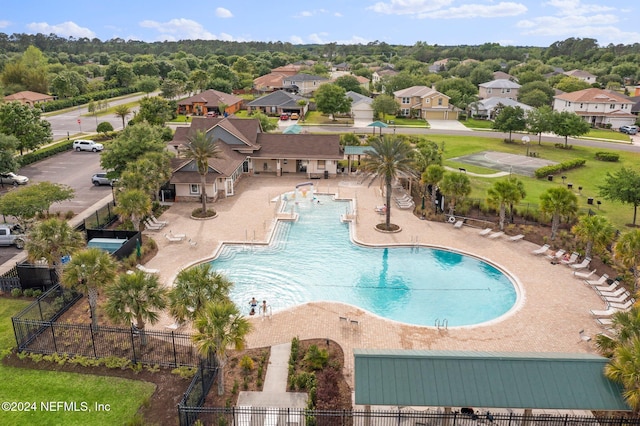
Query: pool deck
x: 553, y: 306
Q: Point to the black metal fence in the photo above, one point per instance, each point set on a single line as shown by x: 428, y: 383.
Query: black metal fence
x: 259, y: 416
x: 102, y: 218
x: 10, y: 280
x: 197, y: 391
x: 36, y: 331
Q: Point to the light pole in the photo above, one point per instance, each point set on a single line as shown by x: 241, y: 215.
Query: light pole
x: 525, y: 140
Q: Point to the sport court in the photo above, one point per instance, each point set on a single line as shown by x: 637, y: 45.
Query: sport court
x: 512, y: 163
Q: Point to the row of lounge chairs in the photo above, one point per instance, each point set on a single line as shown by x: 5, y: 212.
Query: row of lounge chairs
x: 153, y: 224
x: 616, y: 297
x: 560, y: 256
x: 404, y: 201
x: 488, y: 232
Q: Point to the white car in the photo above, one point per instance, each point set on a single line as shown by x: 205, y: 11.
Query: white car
x: 86, y: 145
x: 13, y: 179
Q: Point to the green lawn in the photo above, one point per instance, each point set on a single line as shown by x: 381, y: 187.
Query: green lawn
x: 124, y: 397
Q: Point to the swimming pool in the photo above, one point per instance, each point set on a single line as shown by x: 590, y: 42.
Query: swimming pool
x: 313, y: 259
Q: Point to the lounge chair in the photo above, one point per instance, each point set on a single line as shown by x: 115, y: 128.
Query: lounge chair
x: 622, y: 306
x: 582, y: 265
x: 604, y: 313
x: 485, y: 231
x: 153, y: 219
x: 583, y: 275
x: 572, y: 259
x: 515, y: 238
x: 542, y: 250
x: 618, y: 299
x: 557, y: 255
x: 611, y: 294
x: 611, y: 287
x: 604, y: 321
x: 458, y: 224
x: 603, y: 279
x: 151, y: 226
x: 147, y: 270
x: 495, y: 235
x: 173, y: 238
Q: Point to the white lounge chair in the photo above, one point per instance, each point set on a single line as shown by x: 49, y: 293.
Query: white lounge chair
x: 151, y: 226
x: 174, y: 238
x: 582, y: 265
x: 515, y: 238
x: 458, y: 224
x: 603, y: 279
x: 495, y: 235
x: 611, y: 287
x: 572, y: 259
x: 557, y: 255
x: 612, y: 294
x: 153, y: 219
x: 584, y: 275
x: 485, y: 231
x: 622, y: 306
x: 605, y: 321
x: 604, y: 313
x: 147, y: 270
x: 617, y: 299
x: 541, y: 250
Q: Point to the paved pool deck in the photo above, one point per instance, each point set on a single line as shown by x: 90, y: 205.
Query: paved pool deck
x: 553, y: 306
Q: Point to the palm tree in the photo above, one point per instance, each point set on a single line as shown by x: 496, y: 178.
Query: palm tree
x: 624, y: 368
x: 595, y: 231
x: 388, y: 157
x: 504, y: 192
x: 88, y: 271
x: 193, y: 288
x: 558, y: 202
x: 432, y: 176
x: 627, y: 251
x: 626, y: 325
x: 456, y: 186
x: 202, y: 147
x: 134, y: 204
x: 136, y: 297
x: 219, y: 325
x: 122, y: 111
x: 50, y: 240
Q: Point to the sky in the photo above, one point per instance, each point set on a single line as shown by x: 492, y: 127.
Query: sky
x: 405, y: 22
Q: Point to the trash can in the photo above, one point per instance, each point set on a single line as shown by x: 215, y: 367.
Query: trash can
x: 590, y: 200
x: 326, y: 174
x: 569, y: 186
x: 550, y: 178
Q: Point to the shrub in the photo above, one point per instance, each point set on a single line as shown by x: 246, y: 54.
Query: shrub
x: 16, y: 292
x: 246, y: 363
x: 607, y: 156
x: 46, y: 152
x: 315, y: 358
x: 561, y: 167
x: 37, y: 293
x: 185, y: 372
x: 28, y: 292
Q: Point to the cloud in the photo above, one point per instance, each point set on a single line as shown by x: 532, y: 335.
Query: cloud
x: 66, y: 29
x: 499, y: 10
x: 4, y: 24
x: 409, y: 7
x: 310, y: 13
x: 221, y: 12
x: 576, y: 7
x: 296, y: 39
x: 179, y: 29
x: 322, y: 38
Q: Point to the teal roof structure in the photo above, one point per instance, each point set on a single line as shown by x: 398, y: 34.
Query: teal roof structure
x: 485, y: 380
x: 356, y: 150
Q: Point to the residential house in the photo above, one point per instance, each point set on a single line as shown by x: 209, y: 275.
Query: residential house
x: 499, y: 89
x: 439, y: 66
x: 364, y: 82
x: 304, y: 84
x: 361, y: 109
x: 585, y: 76
x: 289, y: 69
x: 501, y: 75
x: 29, y: 98
x: 269, y: 82
x: 425, y: 102
x: 342, y: 66
x: 209, y: 102
x: 246, y: 150
x: 487, y: 108
x: 278, y: 102
x: 381, y: 73
x: 600, y: 108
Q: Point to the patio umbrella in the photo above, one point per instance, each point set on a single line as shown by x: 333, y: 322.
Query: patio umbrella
x: 379, y: 124
x: 293, y: 130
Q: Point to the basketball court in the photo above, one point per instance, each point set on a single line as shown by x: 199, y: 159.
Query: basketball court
x: 512, y: 163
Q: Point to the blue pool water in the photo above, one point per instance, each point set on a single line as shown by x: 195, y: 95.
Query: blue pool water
x: 313, y: 259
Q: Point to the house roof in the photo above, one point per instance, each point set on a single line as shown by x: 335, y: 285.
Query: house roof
x: 279, y: 98
x: 306, y: 77
x: 211, y: 98
x: 28, y: 95
x: 490, y: 103
x: 357, y: 98
x: 242, y: 129
x: 594, y: 95
x: 419, y: 91
x: 485, y: 379
x: 288, y: 70
x: 386, y: 71
x: 224, y: 166
x: 579, y: 74
x: 273, y: 79
x: 501, y: 75
x: 311, y: 146
x: 500, y: 84
x: 361, y: 79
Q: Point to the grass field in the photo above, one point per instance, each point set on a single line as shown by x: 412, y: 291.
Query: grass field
x: 124, y: 397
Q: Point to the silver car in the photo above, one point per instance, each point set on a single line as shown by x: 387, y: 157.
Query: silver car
x: 11, y: 178
x: 101, y: 179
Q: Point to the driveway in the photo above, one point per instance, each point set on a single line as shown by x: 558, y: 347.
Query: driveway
x: 447, y: 125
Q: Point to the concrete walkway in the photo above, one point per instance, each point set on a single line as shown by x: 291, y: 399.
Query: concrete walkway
x: 274, y: 393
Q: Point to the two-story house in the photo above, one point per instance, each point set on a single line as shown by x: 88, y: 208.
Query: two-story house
x: 424, y: 102
x: 598, y: 107
x: 499, y: 89
x: 304, y: 84
x: 585, y: 76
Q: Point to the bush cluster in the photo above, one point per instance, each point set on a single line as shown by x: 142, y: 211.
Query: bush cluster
x: 607, y: 156
x: 86, y: 98
x: 561, y: 167
x: 43, y: 153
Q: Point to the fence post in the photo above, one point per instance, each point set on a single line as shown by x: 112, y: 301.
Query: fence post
x: 133, y: 345
x: 93, y: 341
x: 175, y: 355
x: 40, y: 310
x: 97, y: 220
x: 53, y: 335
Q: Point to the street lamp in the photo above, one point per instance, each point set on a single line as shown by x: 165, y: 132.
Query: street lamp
x: 525, y: 140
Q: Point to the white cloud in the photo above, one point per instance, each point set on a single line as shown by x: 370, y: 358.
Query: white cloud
x: 65, y: 29
x: 221, y: 12
x: 409, y: 7
x: 4, y: 24
x: 499, y: 10
x: 306, y: 13
x: 179, y: 29
x: 296, y: 39
x: 318, y: 38
x: 322, y: 38
x: 338, y: 15
x: 310, y: 13
x: 576, y: 7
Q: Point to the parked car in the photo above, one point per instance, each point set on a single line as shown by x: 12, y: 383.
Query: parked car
x: 295, y: 116
x: 284, y: 116
x: 630, y: 130
x: 11, y: 178
x: 86, y: 145
x: 101, y: 179
x: 11, y: 235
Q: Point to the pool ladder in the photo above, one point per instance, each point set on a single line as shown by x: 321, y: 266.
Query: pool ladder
x: 441, y: 324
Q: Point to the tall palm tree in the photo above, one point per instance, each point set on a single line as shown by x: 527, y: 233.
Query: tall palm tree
x: 432, y: 176
x: 219, y: 326
x: 202, y: 147
x: 136, y: 297
x: 193, y: 288
x: 501, y: 193
x: 122, y: 111
x: 50, y: 240
x: 626, y: 325
x: 558, y: 202
x: 627, y: 252
x: 388, y: 157
x: 596, y: 232
x: 456, y: 186
x: 134, y: 204
x: 624, y: 368
x: 88, y: 271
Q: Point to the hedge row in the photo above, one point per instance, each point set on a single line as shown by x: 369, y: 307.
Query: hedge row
x: 86, y: 98
x: 43, y: 153
x: 607, y: 156
x: 557, y: 168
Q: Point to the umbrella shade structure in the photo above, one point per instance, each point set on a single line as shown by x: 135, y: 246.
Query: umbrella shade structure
x: 292, y: 130
x: 378, y: 124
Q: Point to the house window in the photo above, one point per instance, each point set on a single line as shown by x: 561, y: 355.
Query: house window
x: 581, y: 105
x: 194, y: 189
x: 439, y: 101
x: 612, y: 106
x: 427, y: 101
x: 489, y: 90
x: 404, y: 112
x: 506, y: 90
x: 321, y: 164
x: 406, y: 100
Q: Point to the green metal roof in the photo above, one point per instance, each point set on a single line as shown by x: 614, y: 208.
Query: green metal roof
x: 485, y: 379
x: 356, y: 150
